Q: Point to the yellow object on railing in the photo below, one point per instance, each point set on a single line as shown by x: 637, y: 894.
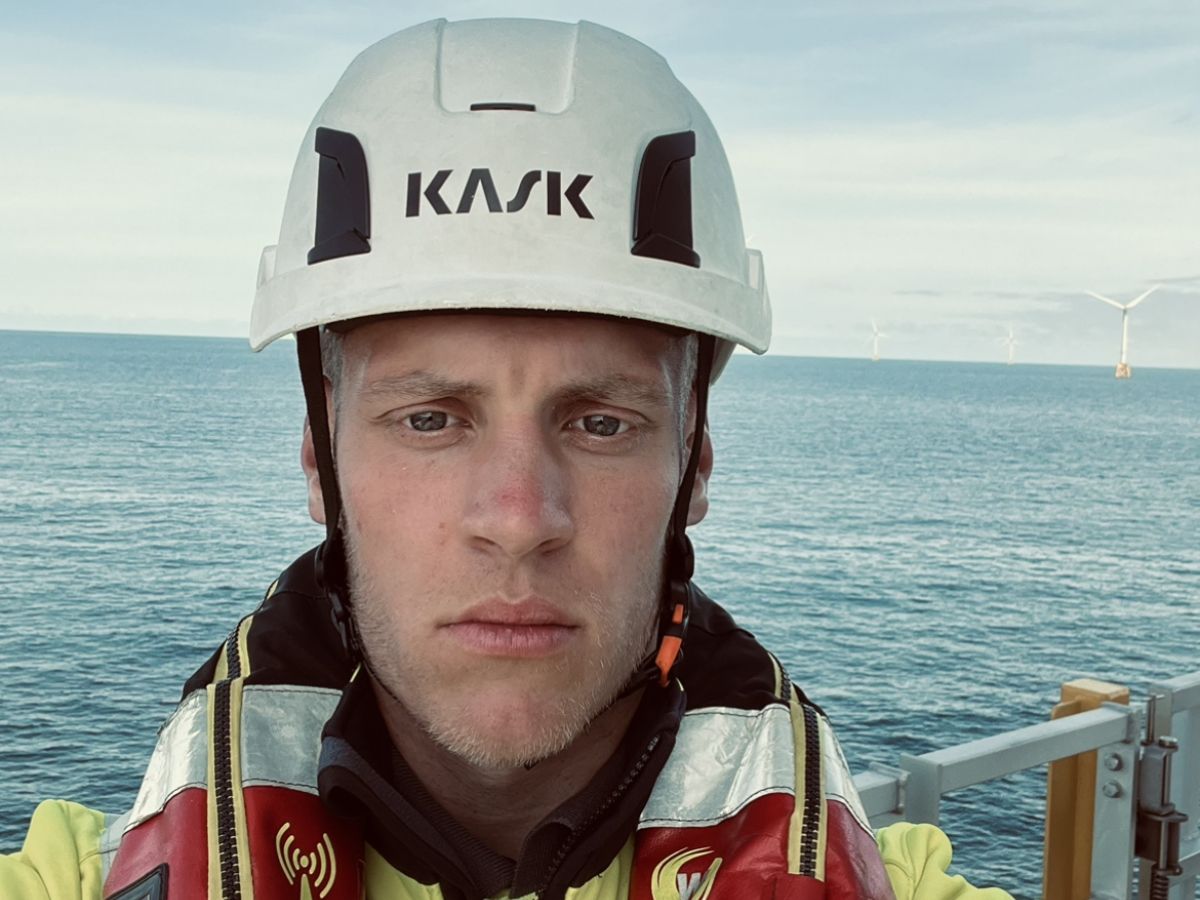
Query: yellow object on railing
x: 1070, y: 799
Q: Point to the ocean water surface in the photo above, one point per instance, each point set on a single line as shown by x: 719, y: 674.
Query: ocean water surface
x: 931, y: 548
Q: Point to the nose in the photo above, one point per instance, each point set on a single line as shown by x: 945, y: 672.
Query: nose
x: 518, y: 502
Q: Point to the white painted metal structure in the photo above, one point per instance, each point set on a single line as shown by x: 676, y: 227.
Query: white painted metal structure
x: 1010, y: 342
x: 876, y: 334
x: 1123, y: 366
x: 913, y: 790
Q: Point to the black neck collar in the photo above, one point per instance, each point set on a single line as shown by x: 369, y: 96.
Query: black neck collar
x: 363, y: 776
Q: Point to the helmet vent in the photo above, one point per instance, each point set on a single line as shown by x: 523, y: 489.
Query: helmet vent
x: 343, y: 223
x: 519, y: 107
x: 662, y: 217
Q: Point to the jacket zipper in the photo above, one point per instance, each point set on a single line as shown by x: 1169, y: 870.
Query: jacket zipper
x: 811, y: 827
x: 567, y: 846
x: 810, y: 822
x: 227, y: 843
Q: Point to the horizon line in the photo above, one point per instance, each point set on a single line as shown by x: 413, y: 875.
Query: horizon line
x: 739, y: 351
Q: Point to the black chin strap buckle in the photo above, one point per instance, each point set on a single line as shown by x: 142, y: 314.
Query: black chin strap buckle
x: 343, y: 622
x: 330, y: 565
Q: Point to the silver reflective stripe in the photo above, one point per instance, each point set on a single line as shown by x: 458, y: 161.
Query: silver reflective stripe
x: 281, y: 734
x: 839, y: 784
x: 281, y: 741
x: 723, y: 759
x: 179, y: 759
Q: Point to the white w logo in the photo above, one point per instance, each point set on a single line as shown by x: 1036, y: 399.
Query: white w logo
x: 316, y: 869
x: 693, y: 886
x: 687, y: 884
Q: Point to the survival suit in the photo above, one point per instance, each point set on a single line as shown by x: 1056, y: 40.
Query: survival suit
x: 274, y: 778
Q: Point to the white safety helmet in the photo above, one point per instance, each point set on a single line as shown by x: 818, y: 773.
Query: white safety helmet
x: 513, y: 164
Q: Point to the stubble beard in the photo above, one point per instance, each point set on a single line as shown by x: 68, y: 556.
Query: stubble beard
x: 563, y: 716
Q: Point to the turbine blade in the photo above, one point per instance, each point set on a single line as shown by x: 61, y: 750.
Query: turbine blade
x: 1143, y: 296
x: 1104, y: 299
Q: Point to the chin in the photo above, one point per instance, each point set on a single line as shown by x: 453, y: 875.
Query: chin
x: 501, y: 735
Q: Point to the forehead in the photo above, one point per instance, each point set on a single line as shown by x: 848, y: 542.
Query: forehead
x: 492, y: 346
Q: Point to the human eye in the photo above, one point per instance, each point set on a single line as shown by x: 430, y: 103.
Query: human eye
x: 600, y: 425
x: 427, y: 420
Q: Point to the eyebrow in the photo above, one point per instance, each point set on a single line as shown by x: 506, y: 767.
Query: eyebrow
x: 619, y: 389
x: 419, y: 385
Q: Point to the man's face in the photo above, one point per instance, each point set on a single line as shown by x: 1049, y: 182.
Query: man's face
x: 507, y: 483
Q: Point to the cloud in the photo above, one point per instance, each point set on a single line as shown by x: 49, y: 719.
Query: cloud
x: 935, y: 207
x: 1183, y: 284
x: 139, y: 207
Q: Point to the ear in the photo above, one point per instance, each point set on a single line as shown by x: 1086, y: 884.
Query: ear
x: 308, y: 462
x: 698, y: 505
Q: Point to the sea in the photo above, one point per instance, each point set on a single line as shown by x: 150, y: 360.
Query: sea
x: 932, y: 549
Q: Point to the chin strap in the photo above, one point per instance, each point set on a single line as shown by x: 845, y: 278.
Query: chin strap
x: 331, y: 556
x: 678, y: 591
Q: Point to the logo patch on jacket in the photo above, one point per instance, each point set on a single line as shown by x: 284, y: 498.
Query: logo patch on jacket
x: 316, y: 869
x: 668, y: 882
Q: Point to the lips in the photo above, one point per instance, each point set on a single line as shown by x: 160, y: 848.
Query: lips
x: 528, y: 628
x: 532, y: 611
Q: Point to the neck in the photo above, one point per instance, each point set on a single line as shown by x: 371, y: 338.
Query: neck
x: 501, y: 805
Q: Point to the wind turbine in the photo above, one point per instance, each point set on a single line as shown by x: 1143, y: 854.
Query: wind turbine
x: 1010, y: 342
x: 1123, y: 370
x: 876, y: 334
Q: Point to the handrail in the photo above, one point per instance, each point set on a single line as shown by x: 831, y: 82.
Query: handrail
x: 1184, y: 688
x: 912, y: 791
x: 887, y: 793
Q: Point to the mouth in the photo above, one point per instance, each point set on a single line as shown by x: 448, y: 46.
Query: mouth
x: 526, y: 629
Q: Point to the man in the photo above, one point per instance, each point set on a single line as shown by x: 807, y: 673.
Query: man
x: 512, y: 258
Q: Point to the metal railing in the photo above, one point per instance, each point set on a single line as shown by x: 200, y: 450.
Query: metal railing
x: 912, y: 791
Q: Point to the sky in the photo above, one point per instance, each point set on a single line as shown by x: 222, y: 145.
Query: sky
x: 947, y: 168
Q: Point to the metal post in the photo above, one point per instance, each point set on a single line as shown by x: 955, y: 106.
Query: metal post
x: 881, y: 790
x: 922, y: 789
x: 1115, y: 820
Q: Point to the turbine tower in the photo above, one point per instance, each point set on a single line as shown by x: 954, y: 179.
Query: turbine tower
x: 1123, y: 370
x: 1010, y: 342
x: 876, y: 334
